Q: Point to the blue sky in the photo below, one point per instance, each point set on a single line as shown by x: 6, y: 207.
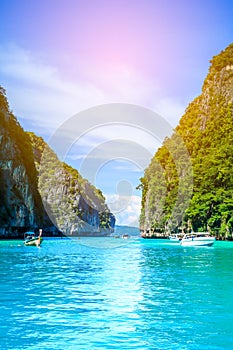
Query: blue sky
x: 58, y: 58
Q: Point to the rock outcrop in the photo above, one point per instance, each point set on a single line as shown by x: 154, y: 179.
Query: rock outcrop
x: 20, y: 205
x: 48, y: 194
x: 206, y: 129
x: 74, y: 205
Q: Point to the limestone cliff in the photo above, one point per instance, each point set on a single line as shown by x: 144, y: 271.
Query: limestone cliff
x: 51, y: 194
x: 20, y: 205
x: 73, y: 204
x: 206, y: 129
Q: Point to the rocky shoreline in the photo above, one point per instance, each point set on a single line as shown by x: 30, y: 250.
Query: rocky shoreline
x: 18, y: 233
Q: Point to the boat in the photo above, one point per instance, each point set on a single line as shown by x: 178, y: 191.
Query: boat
x: 175, y: 238
x: 197, y: 239
x: 31, y: 239
x: 125, y: 236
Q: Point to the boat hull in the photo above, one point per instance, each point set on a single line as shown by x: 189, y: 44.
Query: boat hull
x: 198, y: 242
x: 174, y: 238
x: 33, y: 242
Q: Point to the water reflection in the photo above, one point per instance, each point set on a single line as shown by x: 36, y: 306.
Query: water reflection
x: 139, y: 296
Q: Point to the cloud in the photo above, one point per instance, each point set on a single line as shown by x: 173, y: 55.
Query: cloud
x: 42, y: 93
x: 115, y: 140
x: 37, y: 91
x: 170, y: 109
x: 127, y: 167
x: 129, y: 215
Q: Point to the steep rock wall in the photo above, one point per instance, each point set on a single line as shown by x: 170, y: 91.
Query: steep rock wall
x: 48, y: 194
x: 207, y: 131
x: 73, y: 204
x: 20, y: 204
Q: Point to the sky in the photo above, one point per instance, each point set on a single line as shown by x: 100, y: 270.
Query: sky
x: 59, y: 58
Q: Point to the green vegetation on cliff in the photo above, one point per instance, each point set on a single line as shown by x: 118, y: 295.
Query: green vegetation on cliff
x: 20, y: 204
x: 207, y: 131
x: 33, y: 179
x: 73, y: 204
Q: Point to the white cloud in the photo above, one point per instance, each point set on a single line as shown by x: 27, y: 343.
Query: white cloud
x: 129, y: 214
x: 105, y: 142
x: 40, y: 92
x: 37, y: 90
x: 170, y: 110
x: 123, y: 132
x: 128, y: 167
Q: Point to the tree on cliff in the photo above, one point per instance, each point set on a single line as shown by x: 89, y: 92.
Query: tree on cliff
x: 207, y: 131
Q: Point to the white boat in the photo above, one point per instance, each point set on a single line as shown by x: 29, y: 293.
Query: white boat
x: 175, y: 238
x: 197, y: 239
x: 125, y: 236
x: 31, y: 239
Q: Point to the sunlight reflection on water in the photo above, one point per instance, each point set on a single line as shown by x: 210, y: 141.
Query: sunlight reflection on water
x: 142, y: 295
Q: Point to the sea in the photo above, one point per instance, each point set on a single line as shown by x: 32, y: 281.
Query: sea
x: 114, y: 293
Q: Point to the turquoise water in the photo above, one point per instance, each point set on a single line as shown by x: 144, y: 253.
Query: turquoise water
x: 115, y: 294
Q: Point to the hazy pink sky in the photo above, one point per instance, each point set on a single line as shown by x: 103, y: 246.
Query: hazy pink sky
x: 170, y: 42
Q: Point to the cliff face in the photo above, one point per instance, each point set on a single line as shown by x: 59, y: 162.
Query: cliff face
x: 29, y: 185
x: 20, y: 205
x: 207, y: 131
x: 74, y: 205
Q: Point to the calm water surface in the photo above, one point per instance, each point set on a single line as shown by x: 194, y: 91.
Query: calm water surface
x: 109, y: 294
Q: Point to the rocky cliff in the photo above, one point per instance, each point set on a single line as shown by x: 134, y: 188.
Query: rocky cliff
x: 206, y: 129
x: 74, y: 205
x: 20, y: 206
x: 28, y: 187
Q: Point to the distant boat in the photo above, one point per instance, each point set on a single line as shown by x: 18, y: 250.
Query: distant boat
x: 197, y: 239
x: 125, y: 236
x: 31, y: 239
